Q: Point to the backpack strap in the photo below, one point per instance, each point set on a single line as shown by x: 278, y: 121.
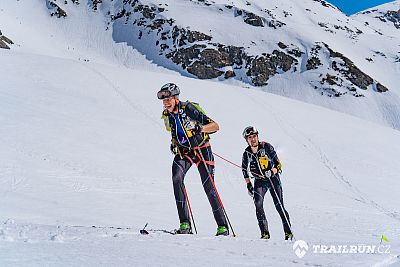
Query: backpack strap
x: 196, y: 105
x: 165, y: 117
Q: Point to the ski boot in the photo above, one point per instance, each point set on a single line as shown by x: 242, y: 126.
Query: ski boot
x: 184, y: 229
x: 265, y: 235
x: 289, y: 236
x: 222, y: 230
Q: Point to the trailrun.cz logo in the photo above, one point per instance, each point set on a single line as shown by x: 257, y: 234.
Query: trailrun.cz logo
x: 301, y: 248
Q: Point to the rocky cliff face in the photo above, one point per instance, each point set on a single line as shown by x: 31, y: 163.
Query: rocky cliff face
x: 391, y: 16
x: 56, y: 10
x: 151, y: 29
x: 198, y: 54
x: 4, y: 41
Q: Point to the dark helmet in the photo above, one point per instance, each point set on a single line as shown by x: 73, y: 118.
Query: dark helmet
x: 249, y: 130
x: 168, y: 90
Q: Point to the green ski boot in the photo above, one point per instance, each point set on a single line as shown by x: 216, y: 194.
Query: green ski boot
x: 265, y: 235
x: 288, y: 236
x: 222, y: 230
x: 184, y: 229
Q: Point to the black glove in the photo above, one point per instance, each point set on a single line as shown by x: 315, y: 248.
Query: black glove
x: 197, y: 129
x: 268, y: 174
x: 250, y: 188
x: 174, y: 149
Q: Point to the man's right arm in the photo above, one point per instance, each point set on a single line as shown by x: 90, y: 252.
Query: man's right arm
x: 245, y: 164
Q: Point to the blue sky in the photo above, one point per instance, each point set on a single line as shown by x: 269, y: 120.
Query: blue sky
x: 353, y: 6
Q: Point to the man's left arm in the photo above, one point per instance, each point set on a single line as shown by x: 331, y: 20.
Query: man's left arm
x: 207, y: 125
x: 277, y: 165
x: 212, y: 127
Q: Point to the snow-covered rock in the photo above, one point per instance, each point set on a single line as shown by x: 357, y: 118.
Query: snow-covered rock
x: 5, y: 41
x: 306, y: 50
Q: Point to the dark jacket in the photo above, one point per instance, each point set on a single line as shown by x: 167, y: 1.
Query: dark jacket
x: 263, y: 160
x: 189, y: 115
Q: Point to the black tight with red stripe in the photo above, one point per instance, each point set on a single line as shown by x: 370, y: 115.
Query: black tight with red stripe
x: 179, y: 170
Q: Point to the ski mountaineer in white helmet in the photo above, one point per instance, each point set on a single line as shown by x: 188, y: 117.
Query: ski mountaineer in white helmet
x: 190, y: 128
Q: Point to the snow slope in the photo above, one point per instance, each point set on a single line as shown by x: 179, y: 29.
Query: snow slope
x: 83, y: 37
x: 378, y: 18
x: 82, y: 144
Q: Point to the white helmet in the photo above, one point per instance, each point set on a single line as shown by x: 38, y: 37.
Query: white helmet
x: 168, y: 90
x: 249, y: 130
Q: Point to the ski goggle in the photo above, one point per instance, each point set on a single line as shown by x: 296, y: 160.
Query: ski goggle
x: 163, y: 94
x: 249, y: 131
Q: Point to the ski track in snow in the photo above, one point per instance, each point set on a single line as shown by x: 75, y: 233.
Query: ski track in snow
x: 359, y: 196
x: 75, y: 171
x: 11, y: 184
x: 393, y: 260
x: 75, y: 176
x: 346, y: 181
x: 11, y: 179
x: 116, y: 89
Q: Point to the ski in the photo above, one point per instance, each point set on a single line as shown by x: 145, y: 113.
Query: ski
x: 102, y: 227
x: 148, y: 231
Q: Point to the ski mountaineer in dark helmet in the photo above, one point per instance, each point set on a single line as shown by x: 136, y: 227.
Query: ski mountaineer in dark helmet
x: 190, y: 129
x: 261, y: 161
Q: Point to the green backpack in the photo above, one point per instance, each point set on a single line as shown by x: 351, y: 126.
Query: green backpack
x: 164, y: 115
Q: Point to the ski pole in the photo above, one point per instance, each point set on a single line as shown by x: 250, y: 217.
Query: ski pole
x: 190, y: 209
x: 273, y: 187
x: 216, y: 191
x: 281, y: 205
